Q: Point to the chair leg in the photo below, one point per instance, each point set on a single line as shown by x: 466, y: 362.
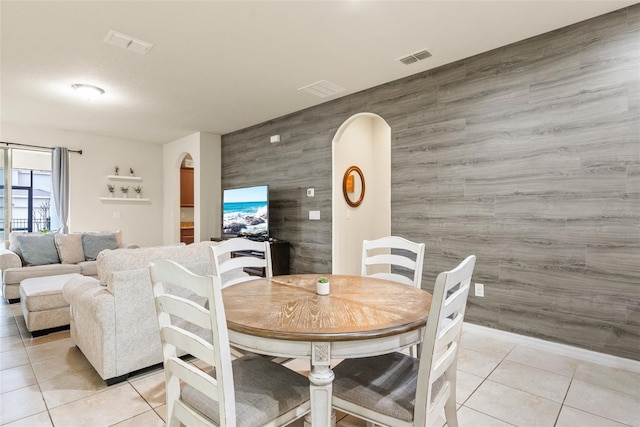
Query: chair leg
x: 450, y: 411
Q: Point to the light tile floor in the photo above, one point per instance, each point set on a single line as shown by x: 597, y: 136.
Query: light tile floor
x: 46, y: 381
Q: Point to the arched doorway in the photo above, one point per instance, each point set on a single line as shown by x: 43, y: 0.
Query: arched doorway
x: 187, y: 200
x: 363, y: 141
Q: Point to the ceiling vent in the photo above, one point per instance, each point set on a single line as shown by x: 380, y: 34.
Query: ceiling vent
x: 415, y: 57
x: 127, y: 42
x: 323, y: 89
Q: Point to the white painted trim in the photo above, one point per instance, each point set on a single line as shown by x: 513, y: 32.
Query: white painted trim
x: 561, y: 349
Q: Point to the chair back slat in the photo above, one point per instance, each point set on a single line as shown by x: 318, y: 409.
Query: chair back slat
x: 189, y: 342
x: 193, y: 376
x: 393, y: 277
x: 455, y: 303
x: 186, y: 309
x: 443, y: 362
x: 241, y: 262
x: 391, y: 259
x: 448, y: 334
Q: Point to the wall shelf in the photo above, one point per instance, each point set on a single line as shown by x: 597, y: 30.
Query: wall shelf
x: 125, y: 199
x: 126, y: 178
x: 123, y: 178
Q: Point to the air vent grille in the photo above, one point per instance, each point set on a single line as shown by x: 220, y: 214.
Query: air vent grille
x: 408, y: 60
x: 323, y: 89
x: 415, y: 57
x: 127, y: 42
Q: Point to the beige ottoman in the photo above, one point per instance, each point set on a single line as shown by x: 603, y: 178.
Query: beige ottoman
x: 43, y: 305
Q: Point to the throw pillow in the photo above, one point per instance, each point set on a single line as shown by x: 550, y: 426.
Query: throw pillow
x: 118, y: 234
x: 13, y: 243
x: 38, y: 249
x: 93, y: 244
x: 70, y: 248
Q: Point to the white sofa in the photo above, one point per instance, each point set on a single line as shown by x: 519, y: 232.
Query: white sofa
x: 51, y: 255
x: 113, y: 317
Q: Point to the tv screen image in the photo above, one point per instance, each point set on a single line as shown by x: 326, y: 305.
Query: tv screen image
x: 245, y: 212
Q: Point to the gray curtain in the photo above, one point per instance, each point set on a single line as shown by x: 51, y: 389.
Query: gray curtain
x: 60, y: 177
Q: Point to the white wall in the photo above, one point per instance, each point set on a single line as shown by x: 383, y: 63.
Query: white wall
x: 140, y: 223
x: 205, y: 149
x: 208, y: 181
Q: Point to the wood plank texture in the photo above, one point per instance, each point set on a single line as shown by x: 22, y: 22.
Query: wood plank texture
x: 288, y: 307
x: 527, y: 156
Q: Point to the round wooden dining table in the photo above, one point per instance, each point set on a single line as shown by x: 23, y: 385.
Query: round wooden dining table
x: 284, y: 316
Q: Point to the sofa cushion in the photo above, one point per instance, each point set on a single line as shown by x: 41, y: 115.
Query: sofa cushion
x: 44, y: 293
x: 13, y: 242
x: 38, y: 249
x: 13, y: 276
x: 118, y: 234
x: 88, y: 268
x: 93, y: 244
x: 70, y: 248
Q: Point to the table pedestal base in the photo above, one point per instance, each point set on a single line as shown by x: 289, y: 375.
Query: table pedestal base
x: 321, y: 378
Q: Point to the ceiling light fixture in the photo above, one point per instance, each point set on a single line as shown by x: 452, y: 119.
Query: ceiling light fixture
x: 87, y: 91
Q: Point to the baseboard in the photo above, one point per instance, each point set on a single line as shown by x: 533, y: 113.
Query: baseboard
x: 557, y: 348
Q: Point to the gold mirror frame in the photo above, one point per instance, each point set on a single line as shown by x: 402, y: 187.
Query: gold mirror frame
x: 345, y: 178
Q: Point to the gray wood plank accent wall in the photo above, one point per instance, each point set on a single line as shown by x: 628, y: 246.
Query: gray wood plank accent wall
x: 527, y: 156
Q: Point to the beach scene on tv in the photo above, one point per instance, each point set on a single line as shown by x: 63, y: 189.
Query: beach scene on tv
x: 245, y: 212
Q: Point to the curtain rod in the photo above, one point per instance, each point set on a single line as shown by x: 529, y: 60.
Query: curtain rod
x: 36, y: 146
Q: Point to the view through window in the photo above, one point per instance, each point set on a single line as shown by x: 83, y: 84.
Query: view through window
x: 31, y: 207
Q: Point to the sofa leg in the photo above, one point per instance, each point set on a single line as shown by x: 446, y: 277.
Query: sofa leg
x: 116, y: 380
x: 42, y: 332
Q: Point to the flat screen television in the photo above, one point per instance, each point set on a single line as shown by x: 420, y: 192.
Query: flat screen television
x: 245, y: 212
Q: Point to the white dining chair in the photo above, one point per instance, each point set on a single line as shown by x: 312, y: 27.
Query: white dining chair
x: 393, y: 258
x: 248, y: 391
x: 229, y: 260
x: 232, y: 259
x: 399, y: 390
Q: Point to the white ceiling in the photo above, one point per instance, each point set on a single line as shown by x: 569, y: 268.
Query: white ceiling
x: 220, y: 66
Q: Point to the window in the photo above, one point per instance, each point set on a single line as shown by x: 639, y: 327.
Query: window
x: 31, y: 195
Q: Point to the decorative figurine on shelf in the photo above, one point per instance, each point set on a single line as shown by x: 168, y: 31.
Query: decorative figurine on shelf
x: 111, y: 188
x: 322, y: 286
x: 138, y: 191
x: 116, y: 170
x: 125, y: 191
x: 131, y: 172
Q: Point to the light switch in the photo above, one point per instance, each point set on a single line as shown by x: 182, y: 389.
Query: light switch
x: 116, y: 214
x: 310, y: 192
x: 314, y: 215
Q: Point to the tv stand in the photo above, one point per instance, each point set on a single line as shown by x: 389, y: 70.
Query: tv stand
x: 279, y: 259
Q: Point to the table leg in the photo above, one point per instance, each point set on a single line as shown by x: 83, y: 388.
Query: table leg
x: 321, y: 378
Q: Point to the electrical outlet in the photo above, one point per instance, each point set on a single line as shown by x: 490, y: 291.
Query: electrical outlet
x: 479, y: 290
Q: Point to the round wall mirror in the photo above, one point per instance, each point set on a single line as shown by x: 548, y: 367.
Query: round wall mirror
x: 353, y: 186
